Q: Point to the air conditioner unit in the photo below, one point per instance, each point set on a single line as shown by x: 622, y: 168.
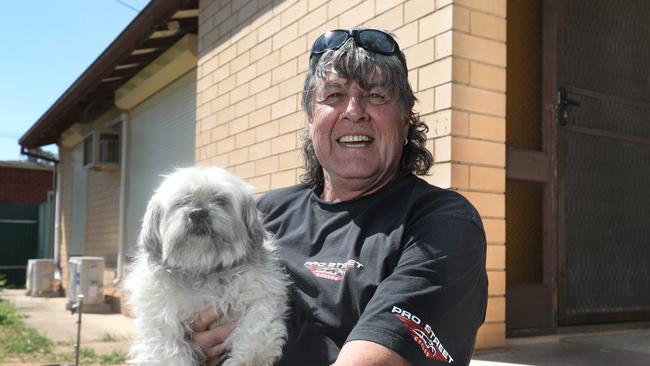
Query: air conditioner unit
x: 86, y: 277
x: 40, y: 277
x: 102, y: 150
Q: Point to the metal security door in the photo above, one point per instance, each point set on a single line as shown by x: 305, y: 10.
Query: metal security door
x: 604, y: 161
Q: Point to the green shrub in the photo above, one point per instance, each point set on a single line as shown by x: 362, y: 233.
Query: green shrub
x: 3, y: 282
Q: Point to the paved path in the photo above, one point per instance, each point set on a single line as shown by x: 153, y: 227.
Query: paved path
x: 103, y: 333
x: 622, y: 347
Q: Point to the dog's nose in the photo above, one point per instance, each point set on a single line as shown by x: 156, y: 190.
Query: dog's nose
x: 198, y: 214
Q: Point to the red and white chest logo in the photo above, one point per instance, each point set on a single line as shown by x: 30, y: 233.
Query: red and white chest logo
x: 423, y: 335
x: 330, y: 270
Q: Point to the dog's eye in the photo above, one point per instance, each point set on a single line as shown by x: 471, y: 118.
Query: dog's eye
x: 182, y: 202
x: 219, y: 201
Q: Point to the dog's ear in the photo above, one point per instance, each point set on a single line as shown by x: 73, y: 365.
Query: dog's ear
x: 251, y: 218
x: 149, y: 239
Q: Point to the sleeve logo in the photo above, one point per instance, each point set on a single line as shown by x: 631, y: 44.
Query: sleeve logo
x: 423, y: 335
x: 332, y: 271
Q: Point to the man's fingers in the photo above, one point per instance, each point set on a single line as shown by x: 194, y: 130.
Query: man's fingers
x: 216, y: 360
x: 213, y: 337
x: 216, y: 351
x: 211, y: 340
x: 205, y: 319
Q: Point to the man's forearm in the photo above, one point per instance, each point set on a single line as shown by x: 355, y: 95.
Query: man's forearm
x: 366, y: 353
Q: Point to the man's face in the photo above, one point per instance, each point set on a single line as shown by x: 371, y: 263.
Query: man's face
x: 357, y: 135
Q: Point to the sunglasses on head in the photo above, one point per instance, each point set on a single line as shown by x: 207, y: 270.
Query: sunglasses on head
x: 372, y: 40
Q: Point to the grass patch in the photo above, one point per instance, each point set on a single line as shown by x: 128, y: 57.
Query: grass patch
x: 108, y: 337
x: 64, y: 344
x: 17, y: 339
x: 113, y: 358
x: 88, y: 356
x: 21, y: 342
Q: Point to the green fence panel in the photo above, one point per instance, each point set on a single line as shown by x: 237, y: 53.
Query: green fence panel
x: 18, y: 240
x: 45, y: 223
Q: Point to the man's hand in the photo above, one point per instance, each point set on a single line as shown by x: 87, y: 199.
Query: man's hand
x: 366, y: 353
x: 211, y: 339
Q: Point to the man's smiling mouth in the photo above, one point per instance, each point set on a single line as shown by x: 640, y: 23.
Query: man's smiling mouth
x: 355, y: 139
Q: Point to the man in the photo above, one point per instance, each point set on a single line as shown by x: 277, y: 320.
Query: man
x: 387, y: 269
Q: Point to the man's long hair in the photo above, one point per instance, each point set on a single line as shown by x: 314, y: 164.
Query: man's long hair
x: 355, y: 63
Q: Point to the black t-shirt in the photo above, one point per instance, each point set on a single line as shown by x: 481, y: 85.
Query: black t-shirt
x: 403, y: 267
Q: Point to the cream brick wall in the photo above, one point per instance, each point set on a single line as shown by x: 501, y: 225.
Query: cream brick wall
x: 477, y: 138
x: 102, y: 219
x: 102, y: 208
x: 252, y: 59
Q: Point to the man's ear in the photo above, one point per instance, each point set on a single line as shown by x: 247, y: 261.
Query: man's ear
x: 310, y: 129
x: 407, y: 125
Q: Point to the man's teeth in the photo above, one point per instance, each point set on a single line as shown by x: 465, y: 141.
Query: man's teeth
x: 355, y: 138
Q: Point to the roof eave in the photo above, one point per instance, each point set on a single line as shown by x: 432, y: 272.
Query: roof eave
x: 137, y: 32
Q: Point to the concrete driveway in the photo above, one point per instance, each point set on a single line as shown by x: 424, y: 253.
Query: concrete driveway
x: 103, y: 333
x: 621, y: 347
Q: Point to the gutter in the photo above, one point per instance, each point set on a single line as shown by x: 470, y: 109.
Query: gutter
x: 26, y: 152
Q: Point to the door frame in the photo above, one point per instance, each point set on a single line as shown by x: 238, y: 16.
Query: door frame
x: 542, y: 167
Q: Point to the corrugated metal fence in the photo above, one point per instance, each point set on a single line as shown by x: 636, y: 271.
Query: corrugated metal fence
x: 25, y: 232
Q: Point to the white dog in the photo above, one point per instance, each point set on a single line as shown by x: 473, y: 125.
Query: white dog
x: 202, y: 246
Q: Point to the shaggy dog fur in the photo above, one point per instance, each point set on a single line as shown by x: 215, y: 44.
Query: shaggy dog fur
x: 202, y: 246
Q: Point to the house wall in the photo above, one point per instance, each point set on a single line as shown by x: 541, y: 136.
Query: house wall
x: 476, y: 144
x: 103, y: 186
x: 102, y: 203
x: 65, y: 170
x: 24, y: 183
x: 103, y: 215
x: 251, y: 65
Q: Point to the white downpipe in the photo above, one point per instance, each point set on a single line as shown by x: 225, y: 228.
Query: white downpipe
x: 57, y: 222
x: 121, y: 240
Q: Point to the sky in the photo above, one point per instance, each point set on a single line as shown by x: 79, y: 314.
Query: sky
x: 45, y: 45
